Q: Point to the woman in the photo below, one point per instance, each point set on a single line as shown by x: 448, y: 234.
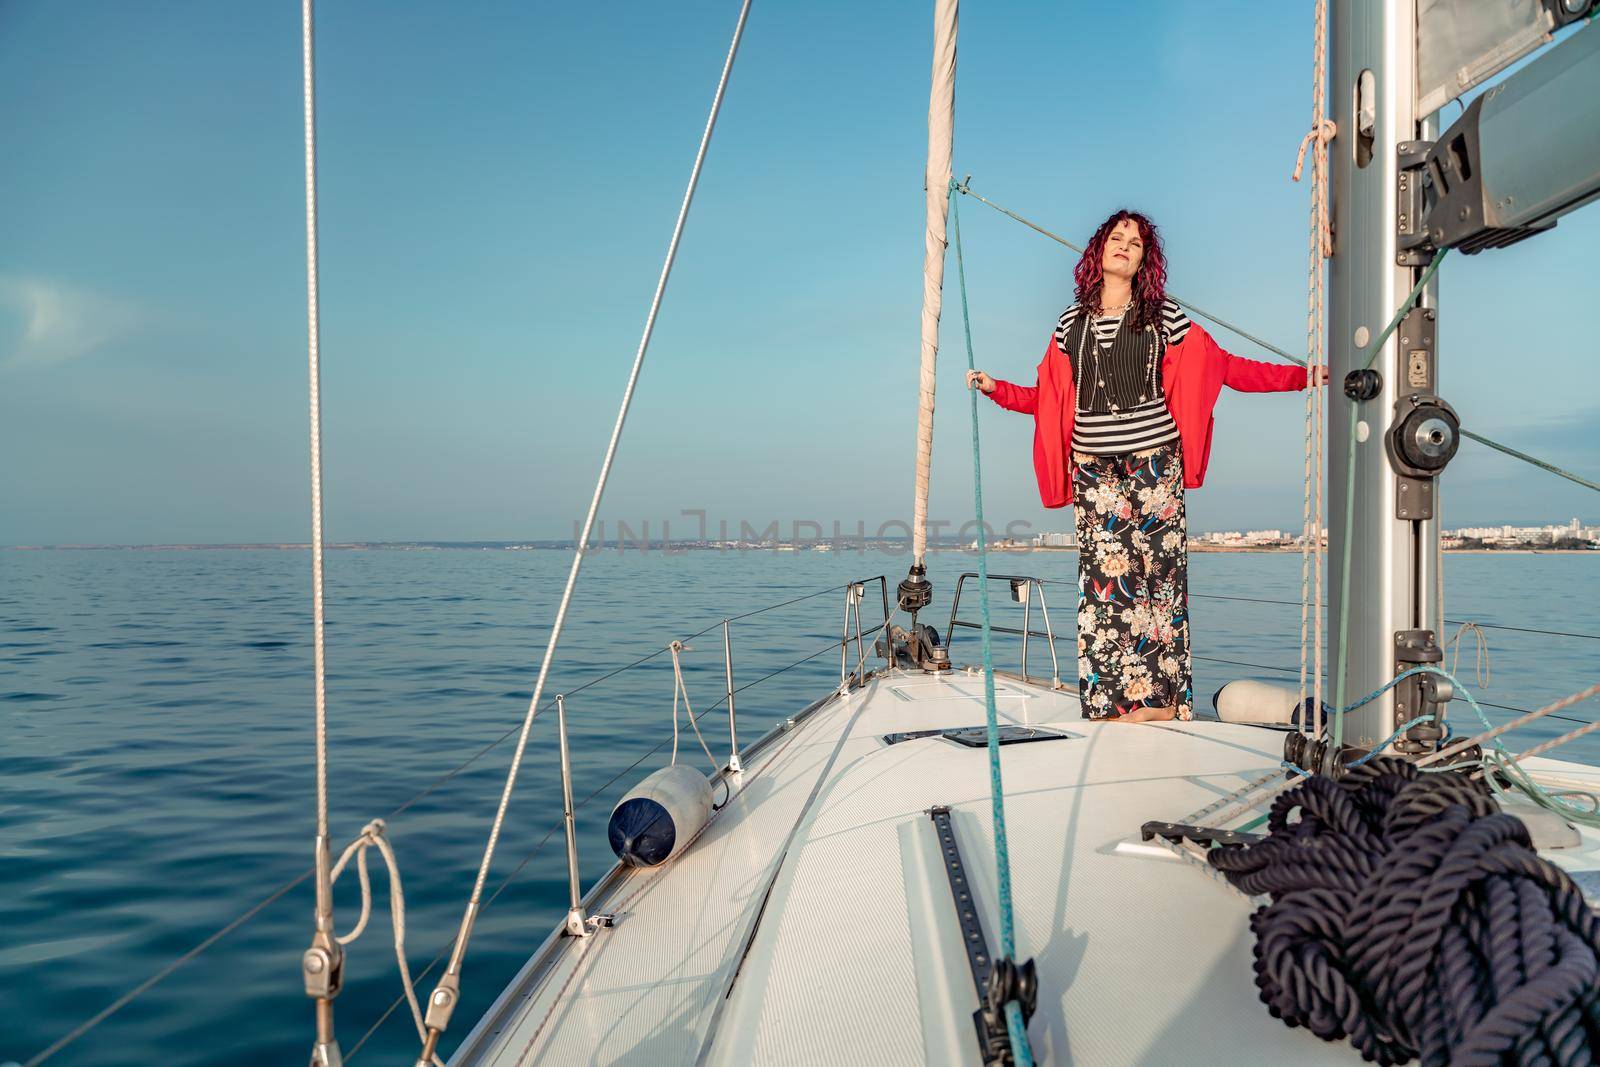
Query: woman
x: 1122, y: 424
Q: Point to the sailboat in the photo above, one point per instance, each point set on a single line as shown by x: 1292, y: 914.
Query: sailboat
x: 842, y: 904
x: 935, y: 861
x: 845, y: 890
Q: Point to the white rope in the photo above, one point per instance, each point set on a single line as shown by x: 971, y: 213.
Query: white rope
x: 941, y: 120
x: 372, y: 836
x: 1258, y: 798
x: 1481, y: 658
x: 1312, y: 517
x: 1251, y: 787
x: 468, y: 917
x: 679, y: 689
x: 1557, y: 742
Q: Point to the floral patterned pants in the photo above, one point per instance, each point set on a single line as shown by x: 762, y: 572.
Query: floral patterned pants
x: 1133, y: 583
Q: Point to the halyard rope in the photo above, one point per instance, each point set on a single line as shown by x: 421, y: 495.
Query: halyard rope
x: 1002, y: 853
x: 1321, y: 247
x: 464, y: 936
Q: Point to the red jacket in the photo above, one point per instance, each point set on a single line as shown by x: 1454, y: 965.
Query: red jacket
x: 1193, y: 373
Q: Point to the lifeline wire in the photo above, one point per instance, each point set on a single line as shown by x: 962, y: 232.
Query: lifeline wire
x: 453, y: 970
x: 1002, y: 854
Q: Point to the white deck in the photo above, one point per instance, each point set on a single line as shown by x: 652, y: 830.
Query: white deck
x: 856, y: 956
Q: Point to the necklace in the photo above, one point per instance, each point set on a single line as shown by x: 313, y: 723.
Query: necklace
x: 1151, y: 384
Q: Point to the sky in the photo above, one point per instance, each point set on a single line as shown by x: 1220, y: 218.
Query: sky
x: 498, y: 182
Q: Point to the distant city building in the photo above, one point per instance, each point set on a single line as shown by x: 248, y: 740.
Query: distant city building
x: 1571, y: 534
x: 1508, y: 535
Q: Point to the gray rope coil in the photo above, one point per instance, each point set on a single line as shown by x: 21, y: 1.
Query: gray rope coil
x: 1412, y: 916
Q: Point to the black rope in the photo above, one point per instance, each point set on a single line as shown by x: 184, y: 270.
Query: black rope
x: 1411, y: 915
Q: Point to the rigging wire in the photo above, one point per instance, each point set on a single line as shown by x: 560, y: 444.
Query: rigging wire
x: 1560, y: 472
x: 322, y: 964
x: 965, y: 189
x: 442, y: 1002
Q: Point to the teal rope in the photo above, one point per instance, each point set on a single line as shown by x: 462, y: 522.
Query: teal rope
x: 1349, y: 500
x: 1405, y: 306
x: 1002, y: 855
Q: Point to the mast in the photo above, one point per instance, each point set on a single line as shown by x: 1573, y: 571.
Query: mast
x: 915, y: 591
x: 1383, y: 573
x: 1517, y: 159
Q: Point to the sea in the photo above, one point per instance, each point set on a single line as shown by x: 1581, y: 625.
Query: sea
x: 156, y: 778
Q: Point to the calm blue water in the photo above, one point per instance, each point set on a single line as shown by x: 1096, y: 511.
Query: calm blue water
x: 155, y: 773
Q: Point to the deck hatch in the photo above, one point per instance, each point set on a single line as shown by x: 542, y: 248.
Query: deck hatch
x: 978, y: 736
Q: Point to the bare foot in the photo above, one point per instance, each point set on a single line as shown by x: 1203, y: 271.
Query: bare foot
x: 1149, y: 714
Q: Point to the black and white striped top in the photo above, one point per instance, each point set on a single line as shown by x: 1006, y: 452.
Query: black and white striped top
x: 1121, y: 402
x: 1174, y: 324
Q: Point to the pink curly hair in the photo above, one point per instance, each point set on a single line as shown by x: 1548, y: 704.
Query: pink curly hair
x: 1149, y: 284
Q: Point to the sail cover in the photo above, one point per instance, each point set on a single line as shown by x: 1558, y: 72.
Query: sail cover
x: 941, y: 120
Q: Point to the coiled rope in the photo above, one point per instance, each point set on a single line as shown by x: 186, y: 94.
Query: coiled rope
x: 1015, y: 1024
x: 1412, y: 916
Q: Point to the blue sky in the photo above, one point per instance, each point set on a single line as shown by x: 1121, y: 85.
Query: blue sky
x: 498, y: 182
